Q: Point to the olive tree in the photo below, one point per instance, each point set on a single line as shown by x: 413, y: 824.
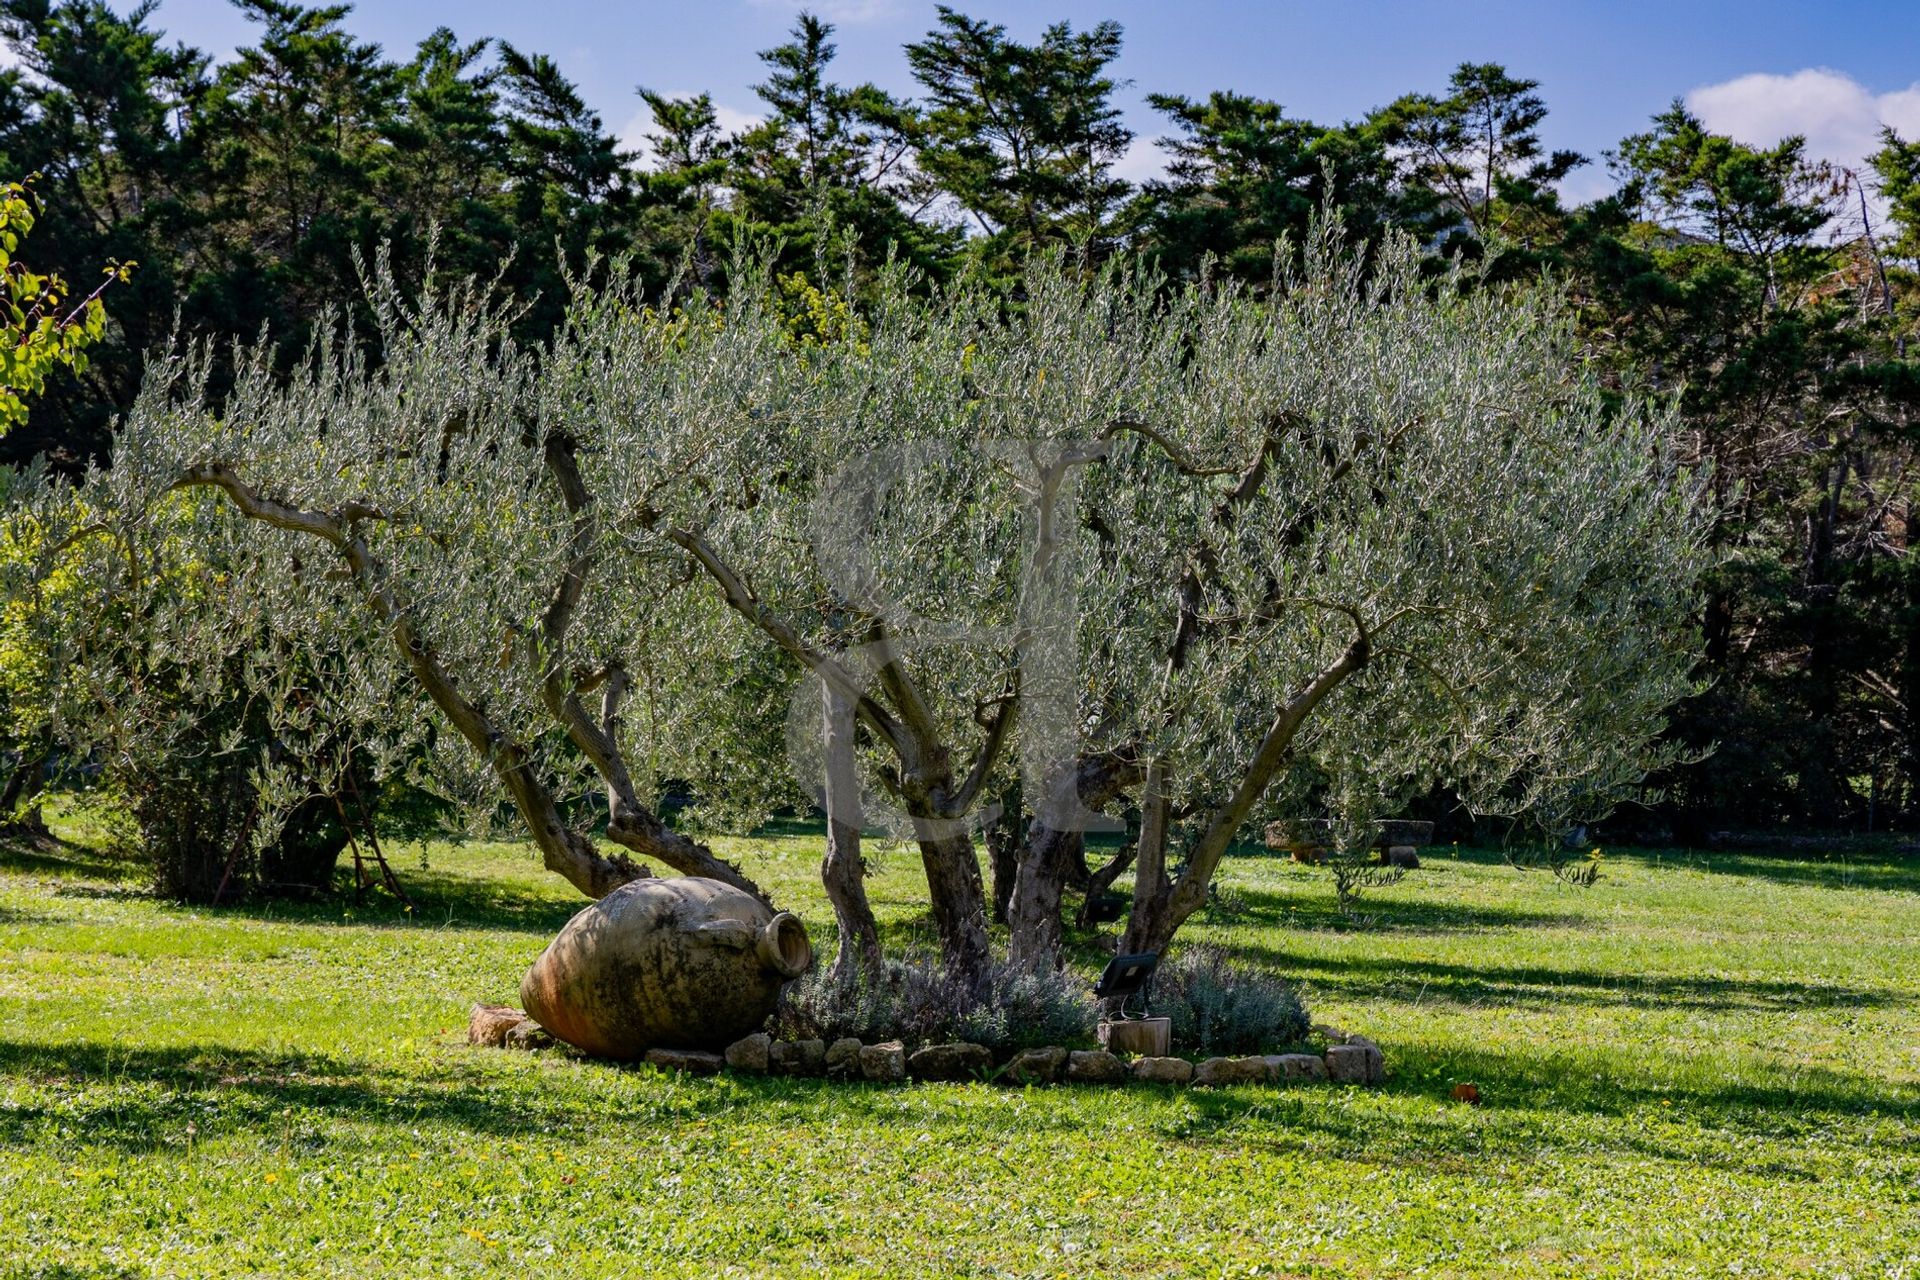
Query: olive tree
x: 1188, y: 554
x: 133, y: 646
x: 1396, y: 540
x: 1209, y: 557
x: 424, y: 516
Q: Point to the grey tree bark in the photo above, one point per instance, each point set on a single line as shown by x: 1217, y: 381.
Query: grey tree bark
x: 841, y: 871
x: 1003, y: 837
x: 1050, y: 858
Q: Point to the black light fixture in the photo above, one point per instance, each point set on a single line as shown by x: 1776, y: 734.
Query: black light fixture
x: 1128, y: 976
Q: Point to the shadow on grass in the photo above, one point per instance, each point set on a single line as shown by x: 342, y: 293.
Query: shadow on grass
x: 441, y: 899
x: 1805, y: 1123
x: 10, y: 915
x: 1535, y: 1104
x: 1249, y: 906
x: 1874, y: 868
x: 51, y: 856
x: 1605, y: 1082
x: 1837, y: 871
x: 1548, y: 987
x: 141, y: 1098
x: 809, y: 825
x: 1862, y: 869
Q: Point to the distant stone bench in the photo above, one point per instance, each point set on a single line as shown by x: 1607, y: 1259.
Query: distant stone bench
x: 1398, y: 839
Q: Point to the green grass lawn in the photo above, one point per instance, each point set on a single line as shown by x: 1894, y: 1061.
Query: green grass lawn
x: 1702, y: 1066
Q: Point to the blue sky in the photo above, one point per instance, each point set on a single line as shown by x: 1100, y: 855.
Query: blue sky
x: 1756, y: 68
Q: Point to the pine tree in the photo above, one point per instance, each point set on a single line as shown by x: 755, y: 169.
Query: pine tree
x: 1244, y: 174
x: 832, y: 165
x: 97, y: 108
x: 1024, y: 137
x: 1476, y: 157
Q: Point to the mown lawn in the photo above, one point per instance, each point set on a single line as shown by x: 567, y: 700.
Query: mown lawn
x: 1702, y: 1066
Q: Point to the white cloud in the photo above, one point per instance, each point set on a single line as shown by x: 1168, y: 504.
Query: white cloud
x: 633, y: 134
x: 1840, y: 118
x: 1586, y: 184
x: 842, y: 13
x: 1142, y: 162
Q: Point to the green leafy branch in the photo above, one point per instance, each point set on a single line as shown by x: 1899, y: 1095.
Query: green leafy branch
x: 42, y: 332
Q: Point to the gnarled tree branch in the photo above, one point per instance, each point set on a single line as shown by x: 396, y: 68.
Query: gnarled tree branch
x: 630, y: 823
x: 562, y: 849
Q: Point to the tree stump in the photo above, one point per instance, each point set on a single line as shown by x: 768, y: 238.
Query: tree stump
x: 1138, y: 1037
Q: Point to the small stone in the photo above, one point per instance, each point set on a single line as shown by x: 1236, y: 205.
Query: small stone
x: 887, y: 1061
x: 1292, y: 1068
x: 1356, y: 1064
x: 1095, y: 1066
x: 1404, y: 856
x: 1163, y: 1070
x: 693, y: 1062
x: 1223, y: 1071
x: 488, y: 1024
x: 1036, y: 1066
x: 843, y: 1057
x: 797, y: 1057
x: 957, y: 1061
x: 749, y: 1053
x: 529, y: 1035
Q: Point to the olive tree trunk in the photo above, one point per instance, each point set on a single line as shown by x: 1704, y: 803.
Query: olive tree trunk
x: 1053, y: 859
x: 23, y: 784
x: 1162, y: 904
x: 842, y: 871
x: 1033, y: 912
x: 958, y: 897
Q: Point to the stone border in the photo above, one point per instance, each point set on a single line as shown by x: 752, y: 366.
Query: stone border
x: 1349, y: 1059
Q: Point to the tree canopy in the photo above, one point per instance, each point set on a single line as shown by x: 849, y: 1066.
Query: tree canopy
x: 1737, y: 280
x: 1185, y: 541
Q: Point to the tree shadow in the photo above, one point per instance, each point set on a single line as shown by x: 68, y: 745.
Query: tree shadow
x: 284, y: 1094
x: 779, y: 826
x: 1607, y: 1081
x: 1838, y: 871
x: 440, y: 899
x: 1548, y: 987
x: 1244, y: 905
x: 1878, y: 867
x: 254, y: 1090
x: 52, y: 856
x: 1536, y: 1105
